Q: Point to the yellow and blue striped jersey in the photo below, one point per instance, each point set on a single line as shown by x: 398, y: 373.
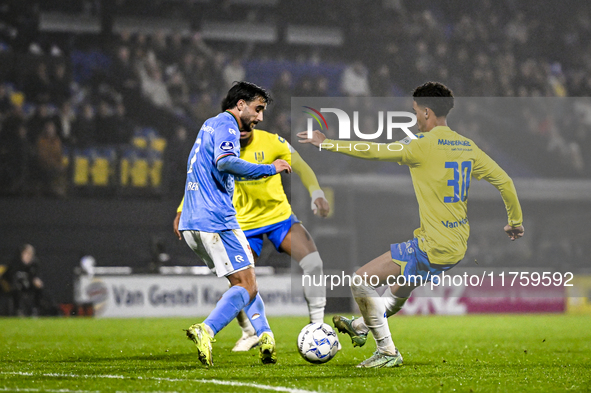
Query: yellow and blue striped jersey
x: 441, y: 164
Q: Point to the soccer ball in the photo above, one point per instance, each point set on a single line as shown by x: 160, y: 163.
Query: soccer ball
x: 318, y: 343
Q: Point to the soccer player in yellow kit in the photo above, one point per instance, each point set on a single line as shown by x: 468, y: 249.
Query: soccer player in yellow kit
x: 441, y: 164
x: 263, y: 209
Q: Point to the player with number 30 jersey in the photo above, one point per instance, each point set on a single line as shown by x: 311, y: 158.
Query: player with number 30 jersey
x: 441, y: 164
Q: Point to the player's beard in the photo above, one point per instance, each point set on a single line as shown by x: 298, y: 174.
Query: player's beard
x: 245, y: 141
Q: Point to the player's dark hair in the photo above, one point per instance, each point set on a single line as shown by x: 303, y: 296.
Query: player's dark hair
x: 435, y: 96
x: 244, y: 91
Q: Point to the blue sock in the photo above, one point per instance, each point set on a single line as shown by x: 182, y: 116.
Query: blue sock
x: 226, y: 309
x: 255, y: 311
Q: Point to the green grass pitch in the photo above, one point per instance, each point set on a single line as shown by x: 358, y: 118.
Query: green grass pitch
x: 506, y: 353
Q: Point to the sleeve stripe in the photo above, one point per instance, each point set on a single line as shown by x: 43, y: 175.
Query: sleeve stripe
x: 222, y: 156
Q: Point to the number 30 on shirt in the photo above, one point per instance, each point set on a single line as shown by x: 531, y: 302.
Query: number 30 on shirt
x: 460, y: 186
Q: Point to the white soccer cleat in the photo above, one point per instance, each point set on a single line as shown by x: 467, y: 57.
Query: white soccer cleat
x: 246, y: 343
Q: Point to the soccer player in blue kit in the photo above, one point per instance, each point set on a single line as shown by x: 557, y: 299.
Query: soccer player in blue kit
x: 208, y: 220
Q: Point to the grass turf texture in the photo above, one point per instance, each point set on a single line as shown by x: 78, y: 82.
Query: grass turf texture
x: 470, y: 353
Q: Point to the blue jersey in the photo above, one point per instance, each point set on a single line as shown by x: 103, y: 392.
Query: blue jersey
x: 208, y: 190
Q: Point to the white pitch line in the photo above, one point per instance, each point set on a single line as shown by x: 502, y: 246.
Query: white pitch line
x: 211, y: 381
x: 5, y: 389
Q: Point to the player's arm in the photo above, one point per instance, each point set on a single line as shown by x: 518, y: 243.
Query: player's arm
x: 320, y: 205
x: 227, y: 153
x: 177, y: 219
x: 366, y: 150
x: 486, y: 168
x: 239, y: 167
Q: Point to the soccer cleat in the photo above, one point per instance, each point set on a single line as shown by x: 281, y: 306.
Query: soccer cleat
x: 381, y: 360
x: 267, y: 354
x: 246, y: 343
x: 202, y: 339
x: 344, y: 325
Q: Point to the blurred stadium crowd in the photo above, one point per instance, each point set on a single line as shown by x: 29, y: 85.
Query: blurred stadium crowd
x: 117, y: 111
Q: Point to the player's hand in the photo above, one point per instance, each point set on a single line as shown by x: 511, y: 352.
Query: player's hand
x: 316, y: 140
x: 514, y: 233
x: 282, y: 165
x: 175, y: 225
x: 322, y: 207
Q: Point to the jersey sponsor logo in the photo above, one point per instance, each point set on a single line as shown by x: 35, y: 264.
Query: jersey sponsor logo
x: 208, y: 129
x: 192, y: 186
x: 453, y: 143
x: 455, y: 224
x: 232, y: 131
x: 259, y: 156
x: 226, y: 146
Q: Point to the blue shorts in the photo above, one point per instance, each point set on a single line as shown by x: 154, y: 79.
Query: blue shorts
x: 414, y: 262
x: 275, y: 233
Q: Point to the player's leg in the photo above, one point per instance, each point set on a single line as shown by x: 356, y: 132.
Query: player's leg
x: 406, y: 261
x: 364, y: 284
x: 394, y: 299
x: 300, y: 246
x: 210, y: 249
x: 227, y: 254
x: 249, y: 338
x: 255, y: 311
x: 367, y: 278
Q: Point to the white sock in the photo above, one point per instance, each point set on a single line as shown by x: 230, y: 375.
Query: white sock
x: 386, y: 345
x: 359, y: 326
x: 245, y: 325
x: 392, y: 302
x: 270, y: 333
x: 372, y: 308
x: 315, y: 296
x: 209, y: 330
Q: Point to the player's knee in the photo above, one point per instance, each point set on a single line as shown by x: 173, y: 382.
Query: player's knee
x: 252, y: 292
x: 251, y: 288
x: 393, y: 303
x: 247, y: 280
x: 311, y: 264
x: 360, y: 287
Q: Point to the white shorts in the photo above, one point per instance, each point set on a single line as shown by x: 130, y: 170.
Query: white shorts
x: 224, y: 252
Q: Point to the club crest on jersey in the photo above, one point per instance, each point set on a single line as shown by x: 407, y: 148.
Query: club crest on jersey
x: 259, y: 156
x: 226, y: 146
